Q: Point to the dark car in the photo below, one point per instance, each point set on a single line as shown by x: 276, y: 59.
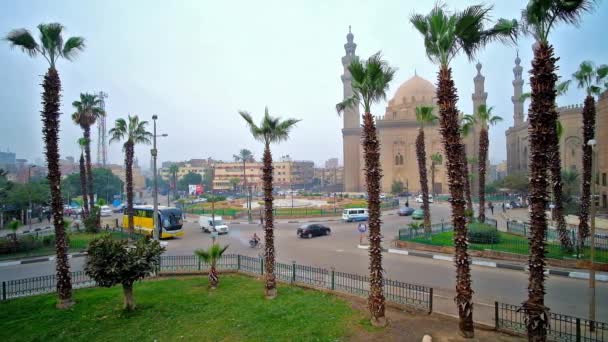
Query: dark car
x: 310, y: 230
x: 406, y: 211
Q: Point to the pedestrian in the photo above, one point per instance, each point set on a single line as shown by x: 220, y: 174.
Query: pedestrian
x: 491, y: 208
x: 48, y: 216
x: 504, y: 210
x: 261, y: 220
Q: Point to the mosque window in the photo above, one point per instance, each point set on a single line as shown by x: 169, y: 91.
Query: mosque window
x: 399, y: 159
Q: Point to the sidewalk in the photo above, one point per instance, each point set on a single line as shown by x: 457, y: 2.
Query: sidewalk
x: 493, y: 263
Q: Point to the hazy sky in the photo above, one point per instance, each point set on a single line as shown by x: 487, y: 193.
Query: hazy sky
x: 196, y: 63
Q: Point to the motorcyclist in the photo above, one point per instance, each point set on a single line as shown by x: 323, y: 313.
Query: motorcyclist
x: 255, y: 240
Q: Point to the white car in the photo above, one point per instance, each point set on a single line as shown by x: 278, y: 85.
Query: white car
x: 105, y: 211
x: 209, y: 225
x: 419, y: 199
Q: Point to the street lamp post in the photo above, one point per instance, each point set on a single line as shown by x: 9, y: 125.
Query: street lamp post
x: 154, y: 151
x: 29, y: 195
x: 594, y: 174
x: 212, y: 198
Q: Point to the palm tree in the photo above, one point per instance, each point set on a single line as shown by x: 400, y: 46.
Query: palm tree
x: 211, y: 256
x: 538, y: 20
x: 245, y: 156
x: 370, y: 80
x: 132, y: 132
x: 424, y: 115
x: 271, y: 130
x: 88, y: 110
x: 52, y: 47
x: 589, y: 78
x: 173, y: 170
x: 485, y: 118
x: 436, y: 159
x: 445, y: 36
x: 555, y: 167
x: 83, y: 178
x: 466, y: 126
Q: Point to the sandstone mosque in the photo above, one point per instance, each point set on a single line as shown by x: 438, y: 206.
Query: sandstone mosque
x: 397, y: 130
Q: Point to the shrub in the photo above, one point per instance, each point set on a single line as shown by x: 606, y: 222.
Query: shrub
x: 111, y: 262
x: 483, y: 233
x: 91, y: 223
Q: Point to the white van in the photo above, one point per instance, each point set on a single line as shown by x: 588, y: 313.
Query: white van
x: 419, y: 198
x: 355, y: 214
x: 208, y: 225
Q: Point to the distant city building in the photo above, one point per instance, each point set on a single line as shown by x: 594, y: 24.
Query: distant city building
x: 329, y: 179
x: 7, y: 160
x: 331, y: 163
x: 287, y: 174
x: 184, y: 169
x: 139, y: 182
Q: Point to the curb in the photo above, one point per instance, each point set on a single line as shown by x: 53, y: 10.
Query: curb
x: 484, y: 263
x: 36, y: 260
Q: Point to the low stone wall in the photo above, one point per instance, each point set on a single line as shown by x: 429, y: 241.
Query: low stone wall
x: 491, y: 254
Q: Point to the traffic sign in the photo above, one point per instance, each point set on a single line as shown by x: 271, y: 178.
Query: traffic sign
x: 362, y: 228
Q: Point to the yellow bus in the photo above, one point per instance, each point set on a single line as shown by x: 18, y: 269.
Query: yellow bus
x: 170, y: 219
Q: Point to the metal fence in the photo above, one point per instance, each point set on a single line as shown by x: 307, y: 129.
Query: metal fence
x: 523, y: 229
x: 565, y: 328
x: 416, y: 296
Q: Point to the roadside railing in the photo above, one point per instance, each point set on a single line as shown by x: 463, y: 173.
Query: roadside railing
x: 511, y: 318
x: 523, y: 229
x: 415, y: 296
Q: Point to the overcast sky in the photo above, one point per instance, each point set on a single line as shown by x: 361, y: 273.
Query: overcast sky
x: 196, y: 63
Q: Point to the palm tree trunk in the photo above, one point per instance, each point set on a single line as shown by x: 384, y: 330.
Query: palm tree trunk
x: 87, y: 155
x: 271, y: 283
x: 214, y: 280
x: 83, y: 186
x: 373, y: 174
x: 50, y: 131
x: 484, y: 142
x: 424, y: 181
x: 129, y: 152
x: 454, y: 150
x: 542, y: 83
x: 556, y: 180
x: 467, y: 185
x: 588, y: 130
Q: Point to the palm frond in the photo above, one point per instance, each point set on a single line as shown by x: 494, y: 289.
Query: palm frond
x: 271, y: 129
x: 24, y: 40
x: 350, y: 102
x: 562, y: 88
x: 52, y: 40
x: 119, y: 132
x: 72, y: 46
x: 559, y: 129
x: 525, y: 96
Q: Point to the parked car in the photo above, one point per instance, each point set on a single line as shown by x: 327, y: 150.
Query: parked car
x: 406, y: 211
x: 418, y: 214
x: 310, y: 230
x: 119, y: 209
x: 209, y: 225
x: 105, y: 211
x: 419, y: 198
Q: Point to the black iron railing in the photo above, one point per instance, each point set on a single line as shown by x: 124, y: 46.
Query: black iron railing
x: 416, y: 296
x: 561, y: 327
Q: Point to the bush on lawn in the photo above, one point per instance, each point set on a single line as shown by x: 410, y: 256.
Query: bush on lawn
x: 91, y: 222
x: 483, y: 233
x: 111, y: 262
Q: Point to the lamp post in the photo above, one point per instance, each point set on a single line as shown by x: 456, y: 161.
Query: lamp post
x: 594, y: 174
x: 29, y: 195
x: 154, y: 151
x: 213, y: 199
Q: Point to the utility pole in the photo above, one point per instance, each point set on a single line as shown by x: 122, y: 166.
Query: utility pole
x: 102, y: 150
x: 212, y: 197
x: 594, y: 174
x: 29, y: 195
x: 154, y: 151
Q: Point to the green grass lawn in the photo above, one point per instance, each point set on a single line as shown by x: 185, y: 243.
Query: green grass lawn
x: 509, y: 243
x: 182, y: 309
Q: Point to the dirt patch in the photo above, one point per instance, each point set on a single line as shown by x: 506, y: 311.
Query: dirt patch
x: 411, y: 325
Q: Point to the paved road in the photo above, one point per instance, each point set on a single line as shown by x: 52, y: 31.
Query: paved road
x: 339, y: 250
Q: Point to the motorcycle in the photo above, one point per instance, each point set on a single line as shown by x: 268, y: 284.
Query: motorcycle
x: 254, y: 243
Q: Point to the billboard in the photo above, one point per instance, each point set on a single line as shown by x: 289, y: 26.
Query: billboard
x: 195, y: 189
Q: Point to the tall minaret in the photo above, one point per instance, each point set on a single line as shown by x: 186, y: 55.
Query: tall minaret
x: 518, y: 104
x: 479, y: 98
x: 351, y: 133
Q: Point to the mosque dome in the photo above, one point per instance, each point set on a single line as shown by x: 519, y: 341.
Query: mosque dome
x: 416, y: 87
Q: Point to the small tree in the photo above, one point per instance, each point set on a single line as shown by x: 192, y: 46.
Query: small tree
x: 13, y: 226
x: 397, y: 187
x: 211, y: 256
x: 111, y: 262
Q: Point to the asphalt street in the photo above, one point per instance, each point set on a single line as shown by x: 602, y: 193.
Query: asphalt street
x: 339, y: 250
